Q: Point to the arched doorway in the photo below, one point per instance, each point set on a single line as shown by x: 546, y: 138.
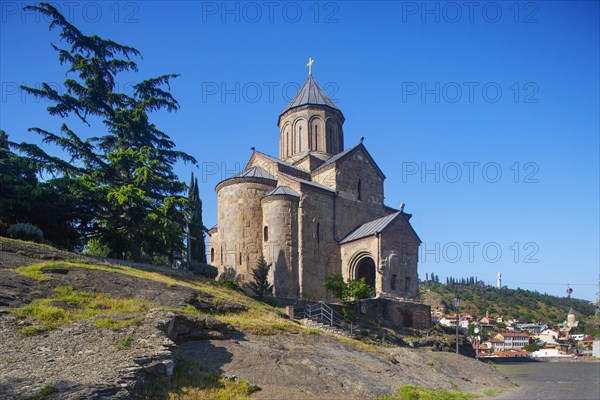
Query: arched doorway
x: 366, y: 269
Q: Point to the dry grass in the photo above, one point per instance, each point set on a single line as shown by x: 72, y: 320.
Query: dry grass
x: 191, y: 381
x: 68, y: 305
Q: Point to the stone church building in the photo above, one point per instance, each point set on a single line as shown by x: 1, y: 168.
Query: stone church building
x: 315, y: 210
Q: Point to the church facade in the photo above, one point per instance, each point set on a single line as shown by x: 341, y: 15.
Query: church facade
x: 315, y: 210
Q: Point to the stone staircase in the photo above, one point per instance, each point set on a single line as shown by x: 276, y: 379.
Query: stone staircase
x: 322, y: 316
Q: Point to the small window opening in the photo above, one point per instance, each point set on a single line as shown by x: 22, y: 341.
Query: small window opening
x: 359, y: 190
x: 266, y: 233
x: 212, y: 254
x: 318, y: 232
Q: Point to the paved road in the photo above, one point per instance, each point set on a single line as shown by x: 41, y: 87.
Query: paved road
x: 567, y: 380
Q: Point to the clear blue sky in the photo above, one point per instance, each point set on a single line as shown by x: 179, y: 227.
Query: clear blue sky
x: 447, y: 95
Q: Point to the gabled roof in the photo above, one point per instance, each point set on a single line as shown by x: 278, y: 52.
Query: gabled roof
x: 370, y: 228
x: 255, y: 172
x: 283, y: 190
x: 347, y: 152
x: 308, y: 183
x: 310, y: 93
x: 278, y: 161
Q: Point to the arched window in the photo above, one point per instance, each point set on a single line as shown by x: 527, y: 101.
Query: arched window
x: 318, y: 232
x: 300, y: 139
x: 240, y: 260
x: 266, y: 233
x: 359, y: 191
x: 393, y: 282
x: 316, y: 137
x: 212, y: 254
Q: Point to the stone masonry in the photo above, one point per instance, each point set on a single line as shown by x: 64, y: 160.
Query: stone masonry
x: 315, y: 210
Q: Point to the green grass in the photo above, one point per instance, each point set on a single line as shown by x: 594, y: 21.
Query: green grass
x: 118, y: 324
x: 191, y: 381
x: 411, y: 392
x: 51, y: 313
x: 44, y: 392
x: 492, y: 392
x: 258, y: 319
x: 125, y: 342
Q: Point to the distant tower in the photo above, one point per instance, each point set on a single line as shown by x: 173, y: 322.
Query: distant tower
x: 499, y: 280
x: 571, y: 318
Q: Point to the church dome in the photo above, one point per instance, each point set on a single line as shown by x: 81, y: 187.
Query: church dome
x: 311, y: 123
x: 311, y: 94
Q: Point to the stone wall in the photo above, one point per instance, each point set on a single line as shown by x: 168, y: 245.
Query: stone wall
x: 318, y: 250
x: 405, y: 314
x: 240, y: 223
x: 280, y: 218
x: 399, y: 259
x: 310, y: 128
x: 352, y: 209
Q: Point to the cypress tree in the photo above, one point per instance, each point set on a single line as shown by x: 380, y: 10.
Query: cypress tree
x: 261, y: 286
x: 195, y: 225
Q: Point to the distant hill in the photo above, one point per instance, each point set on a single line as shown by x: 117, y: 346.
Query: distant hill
x: 525, y: 305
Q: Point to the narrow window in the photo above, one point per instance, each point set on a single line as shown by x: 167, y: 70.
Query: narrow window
x: 316, y: 138
x: 300, y: 139
x: 359, y: 190
x: 212, y: 254
x: 318, y: 232
x: 221, y: 256
x: 266, y: 234
x: 240, y: 261
x: 393, y: 282
x: 407, y: 285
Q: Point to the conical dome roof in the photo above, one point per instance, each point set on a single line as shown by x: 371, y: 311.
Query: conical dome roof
x: 311, y: 93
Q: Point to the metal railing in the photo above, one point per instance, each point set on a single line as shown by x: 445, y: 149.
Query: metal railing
x: 321, y: 312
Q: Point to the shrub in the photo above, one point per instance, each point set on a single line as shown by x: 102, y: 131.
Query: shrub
x: 26, y: 231
x: 229, y: 274
x: 206, y: 270
x: 96, y: 248
x: 349, y: 292
x: 231, y: 284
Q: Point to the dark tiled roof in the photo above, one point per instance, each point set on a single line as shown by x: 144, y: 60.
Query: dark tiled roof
x: 311, y: 93
x: 337, y: 157
x: 285, y: 190
x: 370, y: 228
x: 255, y: 172
x: 280, y: 161
x: 309, y: 183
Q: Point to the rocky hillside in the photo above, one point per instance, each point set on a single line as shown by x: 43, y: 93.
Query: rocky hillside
x: 72, y: 327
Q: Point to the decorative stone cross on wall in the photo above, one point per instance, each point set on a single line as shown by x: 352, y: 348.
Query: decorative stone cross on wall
x: 309, y: 65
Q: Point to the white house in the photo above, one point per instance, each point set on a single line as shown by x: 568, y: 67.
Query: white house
x: 549, y: 336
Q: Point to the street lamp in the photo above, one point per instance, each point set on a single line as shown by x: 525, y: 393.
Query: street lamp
x: 476, y: 330
x: 456, y: 302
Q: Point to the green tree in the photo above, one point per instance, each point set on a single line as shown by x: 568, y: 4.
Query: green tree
x: 334, y: 284
x: 531, y: 347
x: 17, y: 183
x: 348, y: 292
x: 260, y: 275
x: 196, y: 227
x: 358, y: 290
x: 127, y: 195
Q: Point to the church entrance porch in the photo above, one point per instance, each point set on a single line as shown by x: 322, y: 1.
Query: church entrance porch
x: 366, y: 270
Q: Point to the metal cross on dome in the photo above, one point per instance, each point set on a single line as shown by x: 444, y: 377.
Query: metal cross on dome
x: 309, y: 65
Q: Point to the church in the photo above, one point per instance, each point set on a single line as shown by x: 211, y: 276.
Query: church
x: 316, y: 210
